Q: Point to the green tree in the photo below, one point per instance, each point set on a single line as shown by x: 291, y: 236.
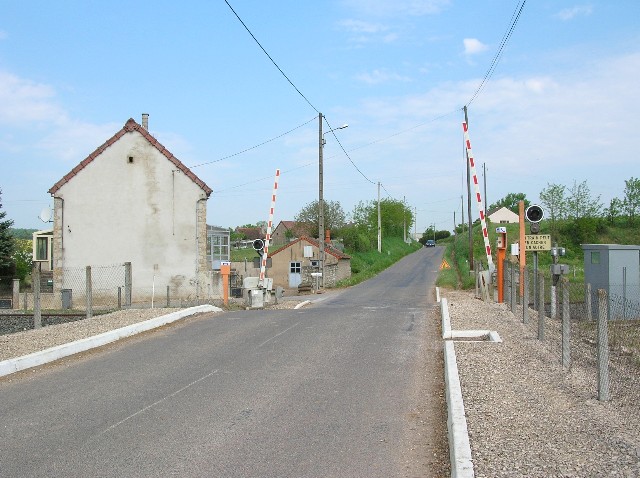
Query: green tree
x: 614, y: 210
x: 580, y: 204
x: 631, y: 200
x: 511, y: 201
x: 7, y: 242
x: 334, y: 216
x: 23, y: 259
x: 555, y: 204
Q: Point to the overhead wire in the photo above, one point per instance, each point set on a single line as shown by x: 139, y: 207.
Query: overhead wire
x: 269, y: 56
x: 253, y: 147
x: 494, y: 63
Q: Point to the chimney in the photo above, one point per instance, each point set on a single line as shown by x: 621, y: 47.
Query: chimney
x: 327, y: 236
x: 145, y: 121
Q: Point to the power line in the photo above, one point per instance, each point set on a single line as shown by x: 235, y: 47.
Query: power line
x: 496, y: 58
x: 269, y: 56
x: 253, y: 147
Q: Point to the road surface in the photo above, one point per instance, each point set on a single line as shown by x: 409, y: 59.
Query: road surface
x: 350, y: 386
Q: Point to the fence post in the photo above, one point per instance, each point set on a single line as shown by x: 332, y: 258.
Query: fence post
x: 35, y: 284
x: 587, y: 301
x: 554, y: 299
x: 168, y: 298
x: 525, y: 299
x: 541, y: 307
x: 128, y: 286
x: 119, y: 297
x: 15, y: 297
x: 602, y: 344
x: 566, y: 325
x: 513, y: 287
x: 89, y: 293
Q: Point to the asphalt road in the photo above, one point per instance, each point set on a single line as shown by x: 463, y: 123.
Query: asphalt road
x: 348, y: 387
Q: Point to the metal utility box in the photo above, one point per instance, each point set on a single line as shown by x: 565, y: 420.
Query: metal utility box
x: 616, y: 269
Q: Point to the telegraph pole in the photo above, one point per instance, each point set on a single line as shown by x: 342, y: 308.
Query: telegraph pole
x: 320, y: 203
x: 379, y: 222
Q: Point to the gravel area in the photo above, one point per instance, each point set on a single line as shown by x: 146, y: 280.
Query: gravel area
x: 526, y: 416
x: 34, y: 340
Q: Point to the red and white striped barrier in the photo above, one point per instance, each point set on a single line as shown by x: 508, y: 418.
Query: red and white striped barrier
x: 267, y: 239
x: 483, y: 221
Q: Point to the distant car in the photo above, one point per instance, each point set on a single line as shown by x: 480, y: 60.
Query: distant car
x: 430, y: 243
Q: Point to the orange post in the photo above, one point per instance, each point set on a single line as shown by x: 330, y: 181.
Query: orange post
x: 502, y: 254
x: 225, y: 270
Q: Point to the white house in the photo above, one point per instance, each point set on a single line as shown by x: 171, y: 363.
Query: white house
x: 503, y: 216
x: 131, y: 200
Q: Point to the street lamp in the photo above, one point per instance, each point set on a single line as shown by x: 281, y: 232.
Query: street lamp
x: 321, y: 142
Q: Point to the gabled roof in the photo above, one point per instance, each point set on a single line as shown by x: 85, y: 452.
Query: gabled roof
x: 288, y: 224
x: 327, y: 248
x: 129, y: 127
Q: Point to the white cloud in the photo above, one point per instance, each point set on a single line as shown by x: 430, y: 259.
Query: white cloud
x: 381, y: 76
x: 570, y: 13
x: 24, y: 101
x: 473, y: 46
x: 385, y: 8
x: 359, y: 26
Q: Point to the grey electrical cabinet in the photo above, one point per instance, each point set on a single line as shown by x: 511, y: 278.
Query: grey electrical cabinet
x: 616, y: 269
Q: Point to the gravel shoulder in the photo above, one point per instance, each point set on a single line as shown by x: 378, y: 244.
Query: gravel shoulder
x: 526, y: 416
x: 34, y: 340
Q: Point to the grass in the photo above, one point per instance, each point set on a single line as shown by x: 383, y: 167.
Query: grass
x: 365, y: 265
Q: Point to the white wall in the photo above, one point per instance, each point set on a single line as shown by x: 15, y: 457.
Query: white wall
x: 143, y: 212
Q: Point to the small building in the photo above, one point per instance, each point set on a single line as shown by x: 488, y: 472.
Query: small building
x: 616, y: 269
x: 293, y: 264
x: 286, y: 231
x: 132, y: 201
x: 503, y: 215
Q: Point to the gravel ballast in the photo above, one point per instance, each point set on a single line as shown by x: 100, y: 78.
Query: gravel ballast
x: 526, y: 416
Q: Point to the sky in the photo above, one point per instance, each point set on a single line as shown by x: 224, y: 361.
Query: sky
x: 557, y: 106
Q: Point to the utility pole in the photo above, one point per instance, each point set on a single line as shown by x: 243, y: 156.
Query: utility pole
x: 320, y: 203
x: 379, y: 222
x: 466, y: 120
x: 404, y: 219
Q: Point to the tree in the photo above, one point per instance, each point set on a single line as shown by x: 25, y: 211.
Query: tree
x: 511, y: 201
x: 23, y: 259
x: 7, y: 242
x: 614, y: 210
x: 631, y: 200
x: 580, y: 204
x: 334, y: 216
x: 555, y: 204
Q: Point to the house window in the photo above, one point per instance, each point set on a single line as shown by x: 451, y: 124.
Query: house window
x: 295, y: 267
x: 42, y: 248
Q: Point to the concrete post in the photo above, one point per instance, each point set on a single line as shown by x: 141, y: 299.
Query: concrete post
x: 602, y: 345
x: 525, y: 298
x: 89, y: 293
x: 587, y: 301
x: 37, y: 311
x: 15, y: 300
x: 128, y: 286
x: 566, y: 325
x: 541, y: 307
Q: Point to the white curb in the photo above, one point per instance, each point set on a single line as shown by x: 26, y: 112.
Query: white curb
x: 301, y: 304
x: 35, y: 359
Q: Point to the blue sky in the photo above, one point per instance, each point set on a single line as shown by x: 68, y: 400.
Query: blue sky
x: 559, y: 107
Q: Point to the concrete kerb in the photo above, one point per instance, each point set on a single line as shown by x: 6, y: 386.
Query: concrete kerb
x: 459, y: 446
x: 35, y: 359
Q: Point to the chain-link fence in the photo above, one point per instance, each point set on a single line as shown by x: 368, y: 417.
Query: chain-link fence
x: 110, y: 287
x: 593, y: 334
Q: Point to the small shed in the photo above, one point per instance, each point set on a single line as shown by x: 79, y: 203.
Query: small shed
x: 616, y: 269
x: 503, y: 215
